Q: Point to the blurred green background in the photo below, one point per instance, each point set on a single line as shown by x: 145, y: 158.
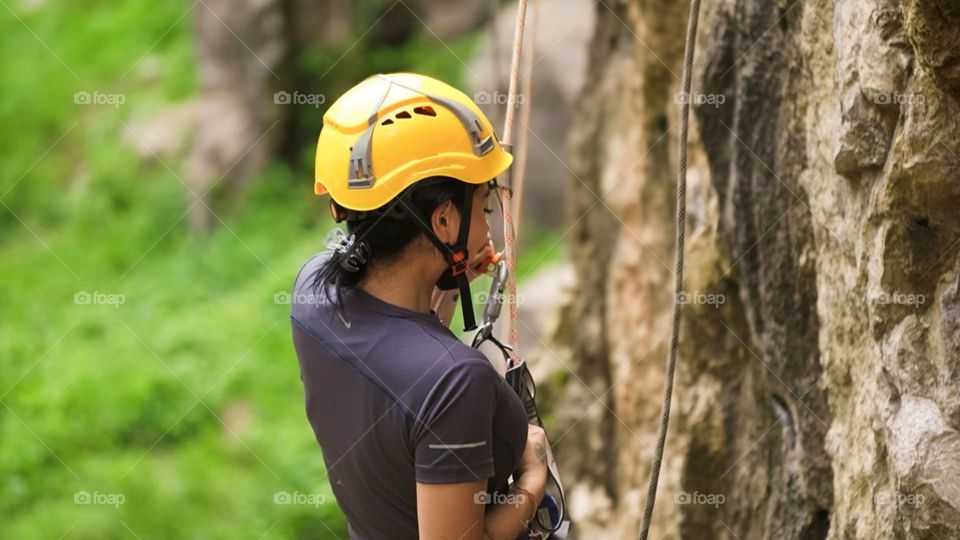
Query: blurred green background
x: 148, y: 385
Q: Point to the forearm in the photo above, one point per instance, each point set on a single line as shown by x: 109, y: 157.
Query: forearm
x: 507, y: 519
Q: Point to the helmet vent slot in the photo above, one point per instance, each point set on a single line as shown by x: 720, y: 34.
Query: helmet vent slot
x: 386, y: 122
x: 426, y: 111
x: 403, y: 114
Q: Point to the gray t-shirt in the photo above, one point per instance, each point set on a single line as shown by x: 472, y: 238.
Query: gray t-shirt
x: 394, y: 398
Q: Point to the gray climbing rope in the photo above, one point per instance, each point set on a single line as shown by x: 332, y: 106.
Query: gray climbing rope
x: 678, y: 276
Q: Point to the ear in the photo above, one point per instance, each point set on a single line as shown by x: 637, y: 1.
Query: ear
x: 446, y: 222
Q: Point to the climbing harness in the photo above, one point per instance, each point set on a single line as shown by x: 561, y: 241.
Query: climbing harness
x: 550, y: 519
x: 690, y: 43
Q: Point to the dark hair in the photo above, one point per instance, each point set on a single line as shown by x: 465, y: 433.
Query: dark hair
x: 386, y: 237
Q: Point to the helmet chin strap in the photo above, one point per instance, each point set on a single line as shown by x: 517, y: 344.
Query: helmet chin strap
x: 456, y: 255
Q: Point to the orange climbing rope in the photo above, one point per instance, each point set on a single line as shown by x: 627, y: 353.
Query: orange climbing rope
x: 526, y: 94
x: 551, y: 517
x: 509, y: 232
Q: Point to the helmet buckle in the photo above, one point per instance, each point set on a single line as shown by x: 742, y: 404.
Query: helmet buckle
x: 458, y: 262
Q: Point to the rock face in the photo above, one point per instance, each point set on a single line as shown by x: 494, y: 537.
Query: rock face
x: 818, y: 391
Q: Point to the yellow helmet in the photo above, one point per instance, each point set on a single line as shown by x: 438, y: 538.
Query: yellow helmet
x: 391, y: 131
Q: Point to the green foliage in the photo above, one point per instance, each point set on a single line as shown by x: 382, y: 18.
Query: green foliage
x: 175, y: 386
x: 141, y: 50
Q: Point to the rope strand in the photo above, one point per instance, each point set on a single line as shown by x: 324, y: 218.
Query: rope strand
x: 523, y: 137
x: 508, y: 228
x: 678, y: 275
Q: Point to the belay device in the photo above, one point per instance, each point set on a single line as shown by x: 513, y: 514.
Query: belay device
x: 551, y: 518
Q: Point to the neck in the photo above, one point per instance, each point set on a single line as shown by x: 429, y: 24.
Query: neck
x: 402, y: 285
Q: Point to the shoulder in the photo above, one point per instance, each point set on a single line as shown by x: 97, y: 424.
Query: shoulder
x: 427, y: 364
x: 461, y: 367
x: 305, y: 274
x: 437, y: 341
x: 307, y: 297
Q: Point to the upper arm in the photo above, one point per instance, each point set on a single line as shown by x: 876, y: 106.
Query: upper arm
x: 453, y: 438
x: 454, y: 511
x: 453, y: 452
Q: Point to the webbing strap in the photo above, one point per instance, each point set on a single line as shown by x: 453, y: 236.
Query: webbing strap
x: 457, y: 255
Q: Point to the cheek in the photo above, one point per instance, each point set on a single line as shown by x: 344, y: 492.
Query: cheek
x: 479, y: 228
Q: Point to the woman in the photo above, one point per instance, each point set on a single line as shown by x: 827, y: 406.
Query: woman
x: 419, y: 432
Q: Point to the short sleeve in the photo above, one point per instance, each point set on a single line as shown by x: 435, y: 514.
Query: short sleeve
x: 454, y: 430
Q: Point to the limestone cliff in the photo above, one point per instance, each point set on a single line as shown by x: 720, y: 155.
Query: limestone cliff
x: 819, y: 382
